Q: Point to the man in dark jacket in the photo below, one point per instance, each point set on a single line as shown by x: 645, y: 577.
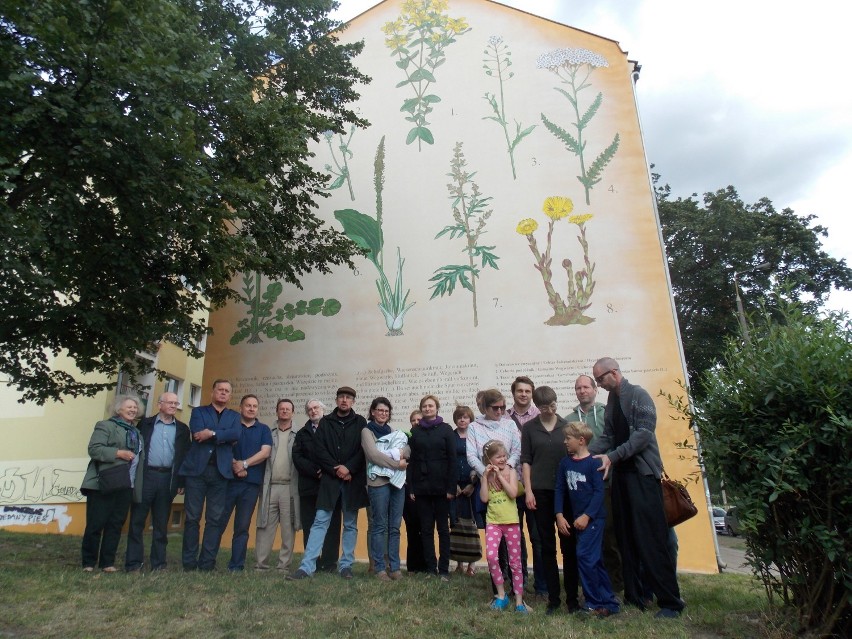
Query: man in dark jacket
x: 309, y: 483
x: 339, y: 455
x: 208, y: 468
x: 628, y: 447
x: 166, y: 441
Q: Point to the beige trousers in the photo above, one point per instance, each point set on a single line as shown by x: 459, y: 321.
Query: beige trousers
x: 281, y: 511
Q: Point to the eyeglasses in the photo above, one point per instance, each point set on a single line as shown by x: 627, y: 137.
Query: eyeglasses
x: 381, y: 410
x: 600, y: 378
x: 550, y: 406
x: 171, y: 403
x: 498, y: 408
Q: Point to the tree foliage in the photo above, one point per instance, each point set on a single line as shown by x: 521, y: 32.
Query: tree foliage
x: 708, y: 241
x: 776, y: 423
x: 149, y: 151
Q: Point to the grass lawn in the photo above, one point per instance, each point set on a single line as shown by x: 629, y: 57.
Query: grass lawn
x: 44, y: 593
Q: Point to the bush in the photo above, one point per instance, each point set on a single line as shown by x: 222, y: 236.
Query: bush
x: 777, y: 424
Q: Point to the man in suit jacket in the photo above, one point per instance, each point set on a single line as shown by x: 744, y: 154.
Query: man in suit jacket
x: 207, y: 470
x: 166, y: 441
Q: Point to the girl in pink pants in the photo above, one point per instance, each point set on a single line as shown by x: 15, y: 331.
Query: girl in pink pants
x: 499, y: 489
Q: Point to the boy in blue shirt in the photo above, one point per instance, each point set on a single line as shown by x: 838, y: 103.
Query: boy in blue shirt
x: 578, y: 476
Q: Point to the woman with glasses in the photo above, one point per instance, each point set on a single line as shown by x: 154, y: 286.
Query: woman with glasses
x: 542, y: 448
x: 432, y: 483
x: 116, y: 445
x: 386, y: 451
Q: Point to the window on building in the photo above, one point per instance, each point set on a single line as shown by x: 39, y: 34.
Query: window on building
x: 194, y: 395
x: 201, y: 344
x: 173, y: 385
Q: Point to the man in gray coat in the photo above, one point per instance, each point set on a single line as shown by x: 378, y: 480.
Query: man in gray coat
x: 629, y: 442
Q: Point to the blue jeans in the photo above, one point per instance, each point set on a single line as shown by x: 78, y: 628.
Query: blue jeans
x: 386, y: 503
x: 597, y: 587
x: 242, y: 497
x: 316, y: 538
x: 213, y: 488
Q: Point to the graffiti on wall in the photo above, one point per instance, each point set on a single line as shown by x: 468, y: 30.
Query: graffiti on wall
x: 34, y: 515
x: 40, y: 482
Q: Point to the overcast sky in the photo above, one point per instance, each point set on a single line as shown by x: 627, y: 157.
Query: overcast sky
x: 752, y: 93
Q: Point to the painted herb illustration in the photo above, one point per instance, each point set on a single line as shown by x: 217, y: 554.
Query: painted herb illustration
x: 340, y: 170
x: 498, y: 59
x: 574, y: 68
x: 470, y: 216
x: 581, y: 284
x: 263, y: 319
x: 417, y: 39
x: 366, y: 232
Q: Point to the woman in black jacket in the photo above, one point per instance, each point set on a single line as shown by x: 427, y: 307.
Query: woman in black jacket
x: 431, y: 480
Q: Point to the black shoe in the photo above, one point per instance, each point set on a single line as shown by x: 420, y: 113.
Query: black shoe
x: 299, y: 574
x: 552, y: 609
x: 667, y: 613
x: 346, y: 573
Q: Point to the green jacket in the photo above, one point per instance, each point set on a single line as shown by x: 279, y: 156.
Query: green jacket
x: 108, y: 438
x: 594, y: 418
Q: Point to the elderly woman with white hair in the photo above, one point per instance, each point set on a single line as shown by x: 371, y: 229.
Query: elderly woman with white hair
x: 113, y: 480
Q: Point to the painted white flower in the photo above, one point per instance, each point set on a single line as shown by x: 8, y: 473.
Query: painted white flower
x: 495, y: 40
x: 557, y: 58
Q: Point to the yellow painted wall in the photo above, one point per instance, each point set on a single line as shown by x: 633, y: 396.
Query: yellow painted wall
x: 43, y: 458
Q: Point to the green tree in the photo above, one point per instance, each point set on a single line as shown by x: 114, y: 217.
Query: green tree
x: 150, y: 150
x: 708, y: 241
x: 776, y: 423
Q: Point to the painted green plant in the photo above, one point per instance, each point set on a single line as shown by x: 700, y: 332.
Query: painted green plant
x: 574, y: 67
x: 263, y: 318
x: 340, y: 170
x: 367, y: 233
x: 581, y: 284
x: 498, y: 59
x: 418, y: 39
x: 470, y: 216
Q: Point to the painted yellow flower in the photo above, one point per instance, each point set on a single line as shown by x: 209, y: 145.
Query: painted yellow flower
x: 438, y: 5
x: 411, y: 6
x: 580, y: 219
x: 418, y: 19
x: 396, y: 41
x: 556, y: 207
x: 391, y: 28
x: 527, y: 226
x: 456, y: 25
x: 436, y: 38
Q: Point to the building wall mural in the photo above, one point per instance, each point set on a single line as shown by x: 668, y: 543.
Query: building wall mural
x: 503, y: 197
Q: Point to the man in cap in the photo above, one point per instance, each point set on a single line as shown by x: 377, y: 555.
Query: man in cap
x: 340, y: 457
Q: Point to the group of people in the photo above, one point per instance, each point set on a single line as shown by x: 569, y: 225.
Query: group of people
x: 588, y: 483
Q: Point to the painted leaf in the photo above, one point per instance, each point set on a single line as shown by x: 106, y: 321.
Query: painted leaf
x: 596, y: 167
x: 412, y: 134
x: 337, y: 183
x: 562, y: 134
x: 431, y: 98
x: 363, y: 230
x: 425, y: 134
x: 331, y: 307
x: 420, y: 75
x: 410, y: 105
x: 590, y: 112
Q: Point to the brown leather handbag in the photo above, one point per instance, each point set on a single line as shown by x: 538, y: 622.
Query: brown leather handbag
x: 676, y: 501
